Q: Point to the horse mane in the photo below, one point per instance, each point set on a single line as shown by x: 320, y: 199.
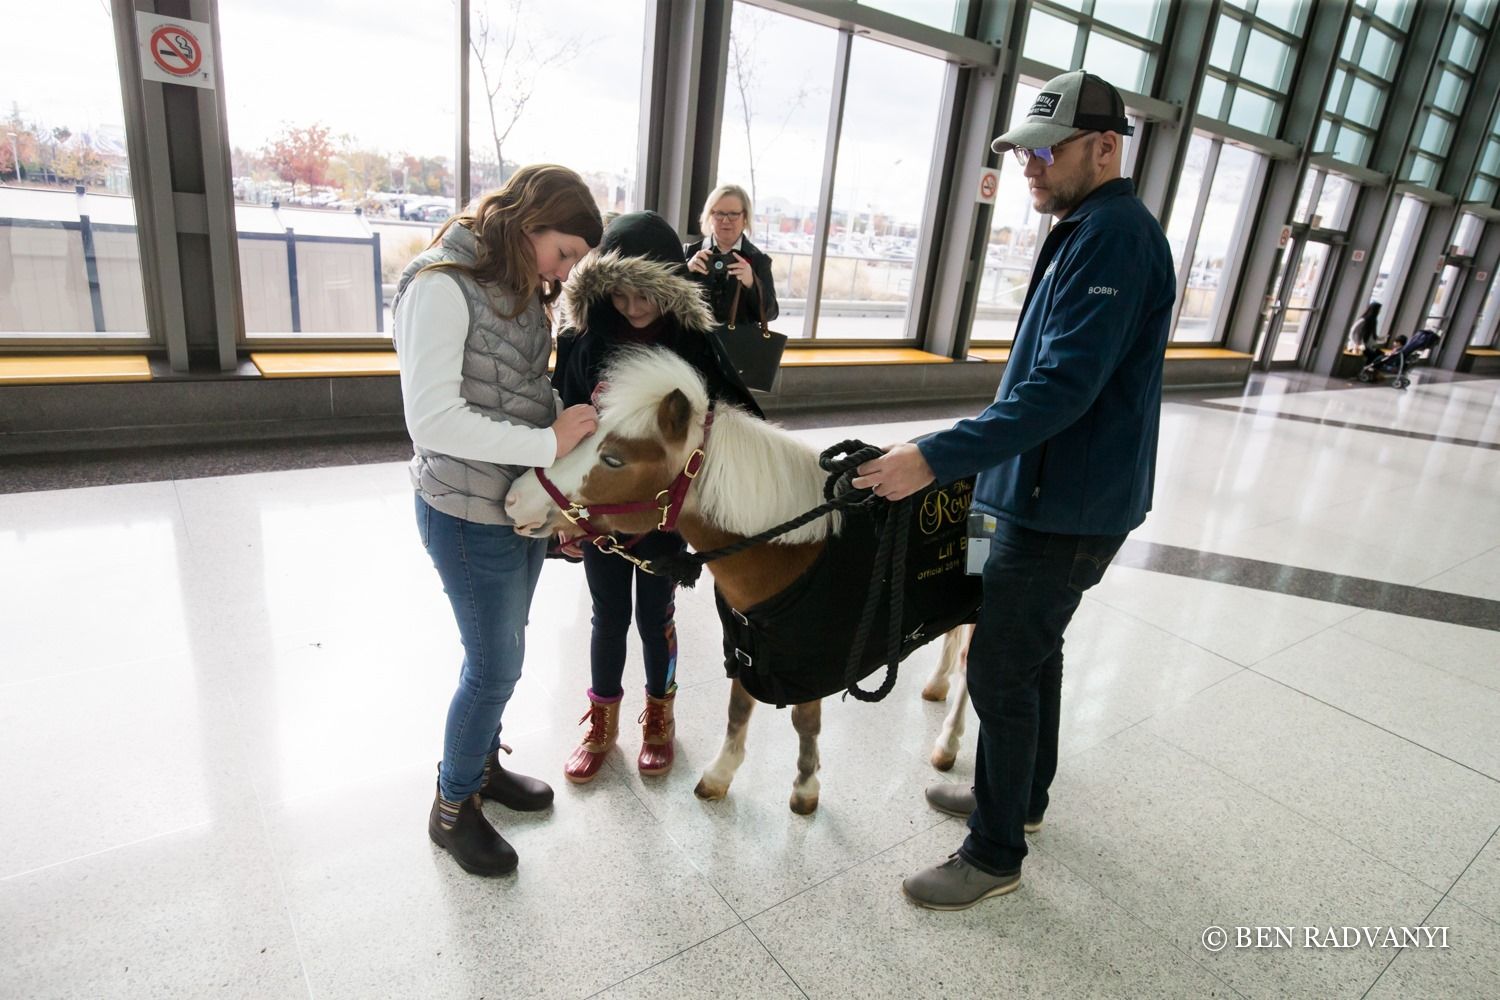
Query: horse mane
x: 755, y: 474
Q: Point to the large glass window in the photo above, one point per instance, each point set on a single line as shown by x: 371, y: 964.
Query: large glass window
x: 533, y: 65
x: 335, y: 188
x: 773, y: 138
x: 70, y: 266
x: 1357, y: 99
x: 1488, y: 325
x: 1396, y: 256
x: 1250, y: 58
x: 1016, y: 231
x: 937, y: 13
x: 1206, y: 230
x: 1448, y: 93
x: 1116, y: 39
x: 879, y: 189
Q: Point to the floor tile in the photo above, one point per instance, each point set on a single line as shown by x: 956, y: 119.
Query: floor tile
x: 856, y: 935
x: 1183, y: 847
x: 196, y: 912
x: 732, y: 966
x: 95, y: 759
x: 1435, y: 709
x: 1422, y: 813
x: 1465, y: 968
x: 601, y: 894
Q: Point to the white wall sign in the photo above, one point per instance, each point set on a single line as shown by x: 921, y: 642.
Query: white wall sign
x: 989, y: 183
x: 174, y: 50
x: 1357, y: 256
x: 1482, y: 276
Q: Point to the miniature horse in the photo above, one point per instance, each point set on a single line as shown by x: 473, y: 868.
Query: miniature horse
x: 746, y: 475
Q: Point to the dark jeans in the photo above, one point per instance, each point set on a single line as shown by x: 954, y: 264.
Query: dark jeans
x: 610, y: 581
x: 1033, y: 582
x: 489, y: 574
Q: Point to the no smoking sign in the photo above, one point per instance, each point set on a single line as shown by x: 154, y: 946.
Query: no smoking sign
x: 174, y: 50
x: 989, y: 183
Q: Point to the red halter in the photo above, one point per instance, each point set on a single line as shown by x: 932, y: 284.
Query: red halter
x: 668, y: 502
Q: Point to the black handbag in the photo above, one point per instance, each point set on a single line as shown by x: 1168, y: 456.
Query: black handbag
x: 753, y: 352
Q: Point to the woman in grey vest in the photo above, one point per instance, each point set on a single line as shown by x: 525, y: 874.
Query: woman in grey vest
x: 473, y: 335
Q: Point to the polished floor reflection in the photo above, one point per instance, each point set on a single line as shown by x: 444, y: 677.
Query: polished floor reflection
x: 221, y: 700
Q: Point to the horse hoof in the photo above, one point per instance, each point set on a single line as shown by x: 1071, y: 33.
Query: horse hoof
x: 935, y: 692
x: 709, y: 792
x: 804, y: 807
x: 942, y: 759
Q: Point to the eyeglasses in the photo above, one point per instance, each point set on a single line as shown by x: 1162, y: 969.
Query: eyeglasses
x: 725, y: 216
x: 1047, y: 154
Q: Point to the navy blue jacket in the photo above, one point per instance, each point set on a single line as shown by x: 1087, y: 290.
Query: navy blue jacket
x: 1069, y: 444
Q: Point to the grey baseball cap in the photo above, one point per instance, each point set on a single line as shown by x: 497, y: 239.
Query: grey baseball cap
x: 1065, y: 104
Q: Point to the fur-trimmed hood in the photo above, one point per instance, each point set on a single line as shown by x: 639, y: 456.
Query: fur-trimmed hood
x: 598, y: 276
x: 640, y: 251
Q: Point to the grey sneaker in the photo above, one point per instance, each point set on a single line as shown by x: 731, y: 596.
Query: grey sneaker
x: 956, y: 800
x: 957, y: 885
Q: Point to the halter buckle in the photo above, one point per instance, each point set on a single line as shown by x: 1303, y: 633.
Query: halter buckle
x: 664, y: 506
x: 694, y: 464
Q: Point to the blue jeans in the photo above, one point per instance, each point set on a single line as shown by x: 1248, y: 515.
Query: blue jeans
x: 489, y: 574
x: 1033, y: 582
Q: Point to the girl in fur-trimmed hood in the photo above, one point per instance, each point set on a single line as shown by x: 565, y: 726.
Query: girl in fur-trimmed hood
x: 633, y: 290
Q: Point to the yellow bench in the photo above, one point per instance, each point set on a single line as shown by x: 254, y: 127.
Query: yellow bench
x: 23, y: 369
x: 1483, y: 352
x: 324, y: 364
x: 332, y: 364
x: 1173, y: 354
x: 820, y: 357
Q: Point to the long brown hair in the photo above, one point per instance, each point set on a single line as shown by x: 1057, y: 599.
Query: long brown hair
x: 539, y: 196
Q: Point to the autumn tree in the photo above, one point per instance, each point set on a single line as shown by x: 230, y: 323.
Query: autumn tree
x: 300, y: 154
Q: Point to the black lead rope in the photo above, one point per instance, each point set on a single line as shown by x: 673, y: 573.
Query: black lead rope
x: 889, y: 569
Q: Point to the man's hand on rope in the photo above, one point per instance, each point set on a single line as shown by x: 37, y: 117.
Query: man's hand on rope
x: 897, y: 474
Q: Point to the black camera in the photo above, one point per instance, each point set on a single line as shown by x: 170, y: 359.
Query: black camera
x: 718, y: 268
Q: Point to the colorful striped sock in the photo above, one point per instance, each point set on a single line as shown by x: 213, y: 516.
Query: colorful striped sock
x: 447, y: 812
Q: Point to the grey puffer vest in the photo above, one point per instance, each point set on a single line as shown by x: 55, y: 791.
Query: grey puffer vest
x: 504, y: 378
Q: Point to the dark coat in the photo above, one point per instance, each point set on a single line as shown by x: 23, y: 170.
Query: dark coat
x: 638, y: 251
x: 721, y: 290
x: 1069, y: 445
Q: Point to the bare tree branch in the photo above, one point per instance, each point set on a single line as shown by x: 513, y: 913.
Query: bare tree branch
x: 510, y: 77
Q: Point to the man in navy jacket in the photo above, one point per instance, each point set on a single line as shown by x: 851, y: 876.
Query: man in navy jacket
x: 1066, y: 456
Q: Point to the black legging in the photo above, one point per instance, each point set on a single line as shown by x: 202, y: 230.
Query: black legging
x: 610, y: 579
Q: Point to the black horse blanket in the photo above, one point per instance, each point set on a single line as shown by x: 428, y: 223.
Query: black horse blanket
x: 795, y: 646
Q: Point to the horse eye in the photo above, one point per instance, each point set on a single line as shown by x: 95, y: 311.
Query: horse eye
x: 612, y: 461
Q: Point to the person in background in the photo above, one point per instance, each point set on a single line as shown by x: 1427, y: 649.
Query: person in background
x: 633, y: 291
x: 1364, y: 335
x: 725, y: 260
x: 473, y: 338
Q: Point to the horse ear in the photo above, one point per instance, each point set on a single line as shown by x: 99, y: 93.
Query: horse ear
x: 673, y: 414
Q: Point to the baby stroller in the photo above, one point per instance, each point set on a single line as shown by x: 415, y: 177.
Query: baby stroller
x: 1398, y: 361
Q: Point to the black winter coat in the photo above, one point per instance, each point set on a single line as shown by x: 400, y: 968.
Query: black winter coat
x: 720, y: 290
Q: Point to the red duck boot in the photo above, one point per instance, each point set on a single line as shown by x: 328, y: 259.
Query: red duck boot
x: 657, y: 731
x: 603, y: 718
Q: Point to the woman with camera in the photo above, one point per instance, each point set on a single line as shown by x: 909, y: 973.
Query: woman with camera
x: 725, y: 261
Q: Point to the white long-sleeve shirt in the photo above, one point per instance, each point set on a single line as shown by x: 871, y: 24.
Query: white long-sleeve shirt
x: 431, y: 325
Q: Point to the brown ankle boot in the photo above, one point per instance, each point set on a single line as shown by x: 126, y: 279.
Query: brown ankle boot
x: 657, y: 731
x: 603, y: 718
